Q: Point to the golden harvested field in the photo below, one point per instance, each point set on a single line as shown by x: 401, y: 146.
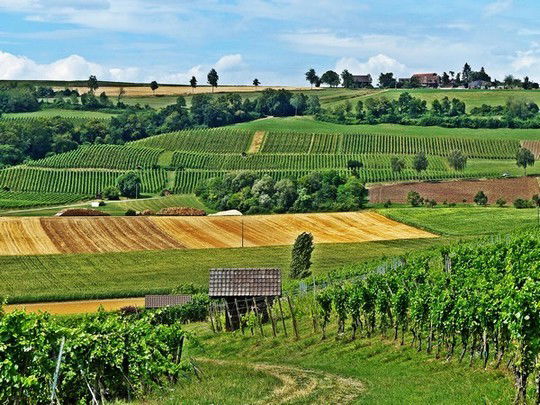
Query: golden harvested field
x: 77, y: 307
x: 144, y: 91
x: 39, y: 236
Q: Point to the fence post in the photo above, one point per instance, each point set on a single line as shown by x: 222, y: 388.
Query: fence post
x: 57, y: 370
x: 295, y: 326
x: 229, y: 316
x: 282, y: 317
x: 247, y: 312
x: 271, y: 316
x: 258, y: 316
x: 210, y: 314
x: 238, y: 315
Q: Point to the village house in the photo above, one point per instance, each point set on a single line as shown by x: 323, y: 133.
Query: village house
x: 362, y: 81
x: 427, y: 79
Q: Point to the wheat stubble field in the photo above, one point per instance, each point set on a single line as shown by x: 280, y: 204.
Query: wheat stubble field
x: 42, y: 236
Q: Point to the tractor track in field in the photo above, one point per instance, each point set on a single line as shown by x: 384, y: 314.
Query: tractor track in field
x: 300, y: 384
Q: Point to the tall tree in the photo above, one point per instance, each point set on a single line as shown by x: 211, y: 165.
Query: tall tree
x: 92, y: 83
x: 347, y: 79
x: 466, y: 74
x: 256, y: 82
x: 311, y: 77
x: 386, y: 80
x: 154, y: 86
x: 331, y: 78
x: 213, y: 78
x: 524, y: 158
x: 445, y: 79
x: 193, y: 83
x: 301, y: 256
x: 457, y: 160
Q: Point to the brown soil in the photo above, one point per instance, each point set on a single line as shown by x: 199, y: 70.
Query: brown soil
x: 533, y: 146
x: 21, y: 236
x: 457, y: 191
x: 256, y: 143
x: 81, y: 212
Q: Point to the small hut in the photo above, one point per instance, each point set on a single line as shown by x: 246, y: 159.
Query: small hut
x: 162, y: 301
x: 243, y: 290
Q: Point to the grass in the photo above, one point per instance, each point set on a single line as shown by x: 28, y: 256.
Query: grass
x: 56, y: 112
x: 309, y: 124
x: 131, y: 274
x: 390, y: 374
x: 464, y: 221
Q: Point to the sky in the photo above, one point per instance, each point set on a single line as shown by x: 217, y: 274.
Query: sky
x: 276, y: 41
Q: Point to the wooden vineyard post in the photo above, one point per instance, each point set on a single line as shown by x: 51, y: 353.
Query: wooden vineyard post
x: 229, y: 317
x: 295, y: 326
x: 238, y: 315
x: 271, y: 316
x: 247, y: 312
x: 258, y: 316
x: 211, y: 318
x: 282, y: 318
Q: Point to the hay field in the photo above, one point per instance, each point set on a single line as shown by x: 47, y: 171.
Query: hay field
x: 42, y: 236
x: 145, y: 91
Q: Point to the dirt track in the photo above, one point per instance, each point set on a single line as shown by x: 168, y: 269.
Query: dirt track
x: 459, y: 190
x: 37, y: 236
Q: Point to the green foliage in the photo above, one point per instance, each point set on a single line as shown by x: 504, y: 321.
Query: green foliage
x: 213, y: 78
x: 129, y: 184
x: 522, y: 203
x: 457, y: 160
x: 501, y: 202
x: 109, y: 356
x: 111, y: 193
x: 524, y: 158
x: 414, y: 199
x: 420, y: 162
x: 397, y: 164
x: 301, y: 256
x: 481, y: 198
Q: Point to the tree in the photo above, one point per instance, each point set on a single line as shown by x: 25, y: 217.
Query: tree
x: 111, y: 193
x: 457, y: 160
x: 154, y: 86
x: 129, y: 184
x: 414, y: 199
x: 420, y: 162
x: 481, y: 199
x: 256, y: 82
x: 386, y: 80
x: 524, y: 158
x: 354, y: 165
x: 331, y: 78
x: 213, y: 78
x: 193, y: 83
x: 311, y: 77
x: 301, y: 256
x: 121, y: 93
x: 445, y: 79
x: 92, y: 83
x: 466, y: 74
x: 299, y: 102
x: 397, y: 164
x: 347, y: 79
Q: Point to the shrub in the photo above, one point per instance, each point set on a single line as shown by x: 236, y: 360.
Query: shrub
x: 130, y: 213
x: 111, y: 193
x: 431, y: 203
x: 129, y: 184
x: 387, y: 204
x: 501, y: 202
x: 522, y: 203
x: 481, y: 198
x: 414, y: 199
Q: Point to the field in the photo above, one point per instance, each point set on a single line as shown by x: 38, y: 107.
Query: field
x: 57, y: 112
x: 459, y: 191
x: 22, y: 199
x: 34, y: 236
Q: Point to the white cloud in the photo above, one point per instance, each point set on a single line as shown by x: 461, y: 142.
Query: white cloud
x: 72, y: 67
x: 497, y: 7
x: 525, y: 60
x: 374, y: 66
x: 228, y: 62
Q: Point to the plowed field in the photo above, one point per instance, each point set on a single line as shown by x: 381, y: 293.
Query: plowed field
x: 37, y: 236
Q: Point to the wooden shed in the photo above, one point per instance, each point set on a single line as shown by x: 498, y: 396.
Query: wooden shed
x: 162, y: 301
x: 243, y: 290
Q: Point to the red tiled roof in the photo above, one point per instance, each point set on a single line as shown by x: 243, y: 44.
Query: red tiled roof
x: 245, y: 282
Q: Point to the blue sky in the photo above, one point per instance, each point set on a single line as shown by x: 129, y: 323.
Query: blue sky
x: 273, y: 40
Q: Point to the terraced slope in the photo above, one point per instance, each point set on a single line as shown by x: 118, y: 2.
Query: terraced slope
x: 41, y: 236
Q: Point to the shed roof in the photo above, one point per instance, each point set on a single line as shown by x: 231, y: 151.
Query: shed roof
x: 160, y: 301
x: 245, y: 282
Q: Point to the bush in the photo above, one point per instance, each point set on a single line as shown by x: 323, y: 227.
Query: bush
x: 414, y: 199
x: 522, y: 203
x: 481, y: 199
x: 501, y: 202
x: 111, y: 193
x: 130, y: 213
x: 431, y: 203
x: 194, y: 311
x: 387, y: 204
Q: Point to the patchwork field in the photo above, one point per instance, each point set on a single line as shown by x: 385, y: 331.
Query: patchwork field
x: 458, y: 191
x: 42, y: 236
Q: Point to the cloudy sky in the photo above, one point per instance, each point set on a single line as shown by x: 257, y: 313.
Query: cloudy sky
x: 273, y: 40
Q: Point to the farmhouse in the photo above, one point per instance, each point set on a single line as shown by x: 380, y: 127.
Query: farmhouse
x: 362, y: 80
x: 479, y: 84
x: 427, y: 79
x: 243, y: 290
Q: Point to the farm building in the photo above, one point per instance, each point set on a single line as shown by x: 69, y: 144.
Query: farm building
x: 162, y: 301
x: 243, y: 290
x: 427, y: 79
x: 479, y: 84
x: 362, y: 80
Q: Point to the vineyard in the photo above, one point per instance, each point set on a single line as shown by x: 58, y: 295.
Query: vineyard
x: 103, y: 156
x: 17, y: 199
x: 86, y: 182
